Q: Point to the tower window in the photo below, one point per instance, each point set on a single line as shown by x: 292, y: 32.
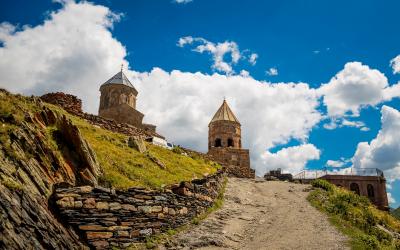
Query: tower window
x: 218, y: 142
x: 230, y: 142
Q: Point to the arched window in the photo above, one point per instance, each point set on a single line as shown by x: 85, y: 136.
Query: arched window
x: 355, y: 188
x: 218, y: 142
x: 370, y: 191
x: 240, y: 143
x: 230, y: 142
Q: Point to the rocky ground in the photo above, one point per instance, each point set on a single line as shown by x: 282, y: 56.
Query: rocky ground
x: 262, y: 215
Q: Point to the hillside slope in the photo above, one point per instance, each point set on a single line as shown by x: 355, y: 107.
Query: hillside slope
x: 43, y: 147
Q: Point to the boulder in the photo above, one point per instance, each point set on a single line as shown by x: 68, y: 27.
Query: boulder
x: 137, y: 143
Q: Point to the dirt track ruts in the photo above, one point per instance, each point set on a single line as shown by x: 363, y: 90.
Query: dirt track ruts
x: 263, y: 215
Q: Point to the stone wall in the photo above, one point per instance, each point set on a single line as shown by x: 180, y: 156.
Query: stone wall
x: 73, y: 105
x: 70, y: 103
x: 236, y: 161
x: 105, y: 217
x: 378, y: 196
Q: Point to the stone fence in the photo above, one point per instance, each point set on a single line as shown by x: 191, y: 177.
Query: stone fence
x: 106, y: 218
x: 73, y: 105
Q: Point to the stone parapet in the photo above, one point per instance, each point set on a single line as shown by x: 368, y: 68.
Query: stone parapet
x: 107, y: 218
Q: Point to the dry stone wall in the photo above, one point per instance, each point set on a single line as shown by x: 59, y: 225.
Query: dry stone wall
x: 106, y: 218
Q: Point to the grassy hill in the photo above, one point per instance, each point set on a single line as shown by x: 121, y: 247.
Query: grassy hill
x: 123, y: 166
x: 354, y: 215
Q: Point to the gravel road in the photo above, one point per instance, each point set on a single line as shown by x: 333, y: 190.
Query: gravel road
x: 262, y: 215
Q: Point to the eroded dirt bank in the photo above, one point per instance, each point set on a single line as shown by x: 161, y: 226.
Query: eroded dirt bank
x: 263, y: 215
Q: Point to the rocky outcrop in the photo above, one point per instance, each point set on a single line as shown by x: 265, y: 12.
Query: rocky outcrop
x: 31, y: 166
x: 106, y: 217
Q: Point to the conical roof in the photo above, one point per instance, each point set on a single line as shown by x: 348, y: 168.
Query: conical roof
x: 119, y: 78
x: 224, y: 113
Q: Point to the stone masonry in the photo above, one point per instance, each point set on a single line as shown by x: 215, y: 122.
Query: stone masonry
x: 118, y: 102
x: 106, y: 218
x: 225, y: 143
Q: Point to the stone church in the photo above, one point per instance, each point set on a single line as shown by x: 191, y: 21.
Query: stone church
x: 225, y: 143
x: 118, y: 102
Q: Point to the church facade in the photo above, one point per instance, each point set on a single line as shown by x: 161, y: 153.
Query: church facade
x: 225, y: 143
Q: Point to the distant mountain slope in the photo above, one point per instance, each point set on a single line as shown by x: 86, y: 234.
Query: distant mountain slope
x: 396, y: 213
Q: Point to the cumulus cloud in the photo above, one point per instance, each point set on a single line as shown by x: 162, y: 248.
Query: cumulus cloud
x: 342, y: 162
x: 272, y: 72
x: 395, y: 64
x: 290, y: 159
x: 342, y: 122
x: 355, y: 87
x: 72, y: 51
x: 383, y: 151
x: 218, y: 52
x: 253, y: 59
x: 182, y: 104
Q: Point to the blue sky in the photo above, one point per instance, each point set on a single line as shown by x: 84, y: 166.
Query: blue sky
x: 305, y: 41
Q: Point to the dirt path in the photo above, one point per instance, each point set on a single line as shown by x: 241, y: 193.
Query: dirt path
x: 263, y: 215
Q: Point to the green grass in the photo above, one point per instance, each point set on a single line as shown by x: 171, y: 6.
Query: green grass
x: 123, y: 166
x: 355, y: 217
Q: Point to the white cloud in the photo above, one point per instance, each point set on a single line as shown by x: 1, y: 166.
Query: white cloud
x: 72, y: 51
x: 342, y: 122
x: 390, y: 198
x: 253, y: 59
x: 244, y: 73
x: 342, y: 162
x: 182, y: 104
x: 182, y: 1
x: 355, y: 87
x: 272, y: 72
x: 290, y: 159
x: 383, y: 151
x: 395, y: 64
x: 218, y: 52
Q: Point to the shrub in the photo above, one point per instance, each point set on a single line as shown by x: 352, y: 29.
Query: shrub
x: 370, y: 242
x: 323, y: 184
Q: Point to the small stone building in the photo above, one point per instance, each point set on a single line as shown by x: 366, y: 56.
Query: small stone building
x: 118, y: 102
x: 225, y: 143
x: 373, y: 187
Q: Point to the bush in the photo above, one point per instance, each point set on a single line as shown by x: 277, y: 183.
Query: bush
x: 370, y: 242
x: 323, y: 184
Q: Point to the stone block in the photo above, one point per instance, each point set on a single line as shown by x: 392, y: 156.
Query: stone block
x: 89, y: 203
x: 143, y: 197
x: 66, y: 202
x: 92, y: 227
x: 100, y: 244
x: 102, y: 205
x: 114, y: 206
x: 129, y: 207
x: 156, y: 209
x: 78, y: 204
x: 118, y: 228
x: 98, y: 235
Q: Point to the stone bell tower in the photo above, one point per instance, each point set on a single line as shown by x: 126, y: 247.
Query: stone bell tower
x: 118, y: 100
x: 225, y: 143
